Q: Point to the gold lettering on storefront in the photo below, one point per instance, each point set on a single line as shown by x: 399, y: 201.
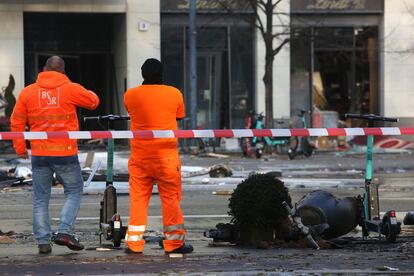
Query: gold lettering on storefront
x: 337, y: 5
x: 208, y: 4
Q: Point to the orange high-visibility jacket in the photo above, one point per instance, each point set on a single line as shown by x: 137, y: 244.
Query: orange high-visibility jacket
x: 50, y: 105
x: 154, y: 107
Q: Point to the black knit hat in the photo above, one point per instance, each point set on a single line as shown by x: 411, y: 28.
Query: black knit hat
x: 151, y: 71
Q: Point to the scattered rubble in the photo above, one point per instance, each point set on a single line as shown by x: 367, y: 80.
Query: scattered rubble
x: 17, y: 176
x: 220, y: 170
x: 7, y: 237
x: 190, y: 171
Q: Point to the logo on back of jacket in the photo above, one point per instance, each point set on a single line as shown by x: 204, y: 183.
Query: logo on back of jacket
x: 48, y: 98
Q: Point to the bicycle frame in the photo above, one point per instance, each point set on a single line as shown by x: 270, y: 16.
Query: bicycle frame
x: 368, y: 176
x: 269, y: 141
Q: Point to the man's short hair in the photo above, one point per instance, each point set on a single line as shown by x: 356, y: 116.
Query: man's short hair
x: 55, y: 63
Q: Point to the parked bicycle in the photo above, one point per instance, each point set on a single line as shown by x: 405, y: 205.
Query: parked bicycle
x: 199, y: 145
x: 305, y: 146
x: 255, y: 146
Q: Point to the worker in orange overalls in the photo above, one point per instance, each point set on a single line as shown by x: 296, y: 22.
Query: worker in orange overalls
x: 50, y: 105
x: 154, y: 106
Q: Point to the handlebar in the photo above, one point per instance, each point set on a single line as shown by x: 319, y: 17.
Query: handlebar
x: 297, y: 221
x: 371, y: 117
x: 301, y: 112
x: 109, y: 117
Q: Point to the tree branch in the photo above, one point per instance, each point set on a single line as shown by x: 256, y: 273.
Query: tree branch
x: 259, y: 4
x: 276, y: 3
x: 286, y: 32
x: 256, y: 17
x: 278, y: 48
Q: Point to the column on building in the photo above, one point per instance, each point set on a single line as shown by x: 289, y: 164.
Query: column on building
x: 142, y: 36
x: 11, y: 46
x: 398, y: 60
x: 281, y: 67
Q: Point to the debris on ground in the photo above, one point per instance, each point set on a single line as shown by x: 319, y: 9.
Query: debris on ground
x: 11, y: 190
x: 387, y: 268
x: 6, y: 240
x: 260, y: 217
x: 275, y: 174
x: 409, y: 218
x: 24, y: 172
x: 17, y: 176
x: 222, y: 192
x: 317, y: 207
x: 216, y: 155
x: 90, y: 156
x: 7, y: 237
x: 9, y: 233
x: 220, y: 170
x: 190, y: 171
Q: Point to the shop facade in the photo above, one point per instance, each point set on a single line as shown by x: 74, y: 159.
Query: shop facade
x: 335, y: 56
x: 345, y: 57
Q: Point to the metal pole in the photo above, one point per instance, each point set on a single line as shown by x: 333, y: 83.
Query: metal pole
x: 192, y: 36
x: 311, y: 69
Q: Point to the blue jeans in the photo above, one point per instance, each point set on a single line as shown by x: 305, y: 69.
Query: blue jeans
x: 69, y: 171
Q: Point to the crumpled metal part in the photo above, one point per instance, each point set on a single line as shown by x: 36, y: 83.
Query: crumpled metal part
x: 318, y: 207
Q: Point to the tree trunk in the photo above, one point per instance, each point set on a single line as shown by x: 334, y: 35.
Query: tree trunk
x: 268, y: 83
x: 268, y: 76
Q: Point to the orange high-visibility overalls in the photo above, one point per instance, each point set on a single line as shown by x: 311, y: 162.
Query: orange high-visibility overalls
x: 50, y: 105
x: 154, y: 107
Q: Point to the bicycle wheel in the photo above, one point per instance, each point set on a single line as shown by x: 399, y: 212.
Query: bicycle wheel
x: 307, y: 148
x: 245, y: 146
x: 109, y: 204
x: 286, y: 145
x: 293, y: 143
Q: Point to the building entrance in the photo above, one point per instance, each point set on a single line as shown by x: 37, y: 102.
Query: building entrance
x: 85, y: 42
x: 225, y: 66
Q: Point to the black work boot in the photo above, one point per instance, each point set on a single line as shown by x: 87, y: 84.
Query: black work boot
x: 69, y: 240
x: 132, y: 252
x: 45, y: 248
x: 183, y: 249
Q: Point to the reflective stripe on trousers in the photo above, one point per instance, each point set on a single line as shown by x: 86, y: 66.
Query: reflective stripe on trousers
x: 134, y: 237
x: 174, y: 236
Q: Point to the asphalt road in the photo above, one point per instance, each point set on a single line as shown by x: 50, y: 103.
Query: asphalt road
x: 203, y: 210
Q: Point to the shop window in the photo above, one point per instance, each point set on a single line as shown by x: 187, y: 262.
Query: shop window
x: 345, y: 69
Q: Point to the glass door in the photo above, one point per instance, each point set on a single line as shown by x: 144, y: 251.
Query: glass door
x: 208, y: 90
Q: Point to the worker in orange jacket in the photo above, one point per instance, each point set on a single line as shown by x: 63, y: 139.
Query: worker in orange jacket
x: 154, y: 106
x: 50, y: 105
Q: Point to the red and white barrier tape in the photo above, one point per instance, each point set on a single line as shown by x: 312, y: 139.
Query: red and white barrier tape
x: 208, y: 133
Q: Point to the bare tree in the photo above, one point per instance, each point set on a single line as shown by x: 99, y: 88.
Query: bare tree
x: 269, y: 20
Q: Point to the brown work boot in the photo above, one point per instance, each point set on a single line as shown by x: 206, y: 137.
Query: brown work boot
x: 69, y: 240
x: 45, y: 248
